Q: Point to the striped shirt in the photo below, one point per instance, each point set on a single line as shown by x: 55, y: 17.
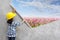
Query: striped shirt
x: 12, y: 29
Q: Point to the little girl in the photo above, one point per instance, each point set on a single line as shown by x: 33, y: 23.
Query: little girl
x: 11, y: 33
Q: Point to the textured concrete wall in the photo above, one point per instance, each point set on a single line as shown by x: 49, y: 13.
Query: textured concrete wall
x: 49, y: 31
x: 4, y: 8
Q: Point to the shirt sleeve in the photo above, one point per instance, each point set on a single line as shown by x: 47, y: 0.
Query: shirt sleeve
x: 17, y: 23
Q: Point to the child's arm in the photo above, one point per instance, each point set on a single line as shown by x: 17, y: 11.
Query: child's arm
x: 19, y: 23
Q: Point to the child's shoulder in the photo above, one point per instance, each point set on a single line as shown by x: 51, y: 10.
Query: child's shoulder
x: 15, y: 23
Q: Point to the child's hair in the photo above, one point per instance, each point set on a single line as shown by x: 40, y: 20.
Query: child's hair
x: 10, y: 21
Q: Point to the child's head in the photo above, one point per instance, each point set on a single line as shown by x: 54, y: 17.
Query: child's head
x: 10, y: 21
x: 10, y: 17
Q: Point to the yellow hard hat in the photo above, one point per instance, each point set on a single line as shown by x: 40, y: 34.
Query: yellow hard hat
x: 10, y: 15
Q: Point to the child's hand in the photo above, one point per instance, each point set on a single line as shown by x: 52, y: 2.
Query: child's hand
x: 23, y: 21
x: 14, y: 10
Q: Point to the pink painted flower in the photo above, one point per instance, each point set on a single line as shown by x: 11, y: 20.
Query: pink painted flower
x: 38, y: 21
